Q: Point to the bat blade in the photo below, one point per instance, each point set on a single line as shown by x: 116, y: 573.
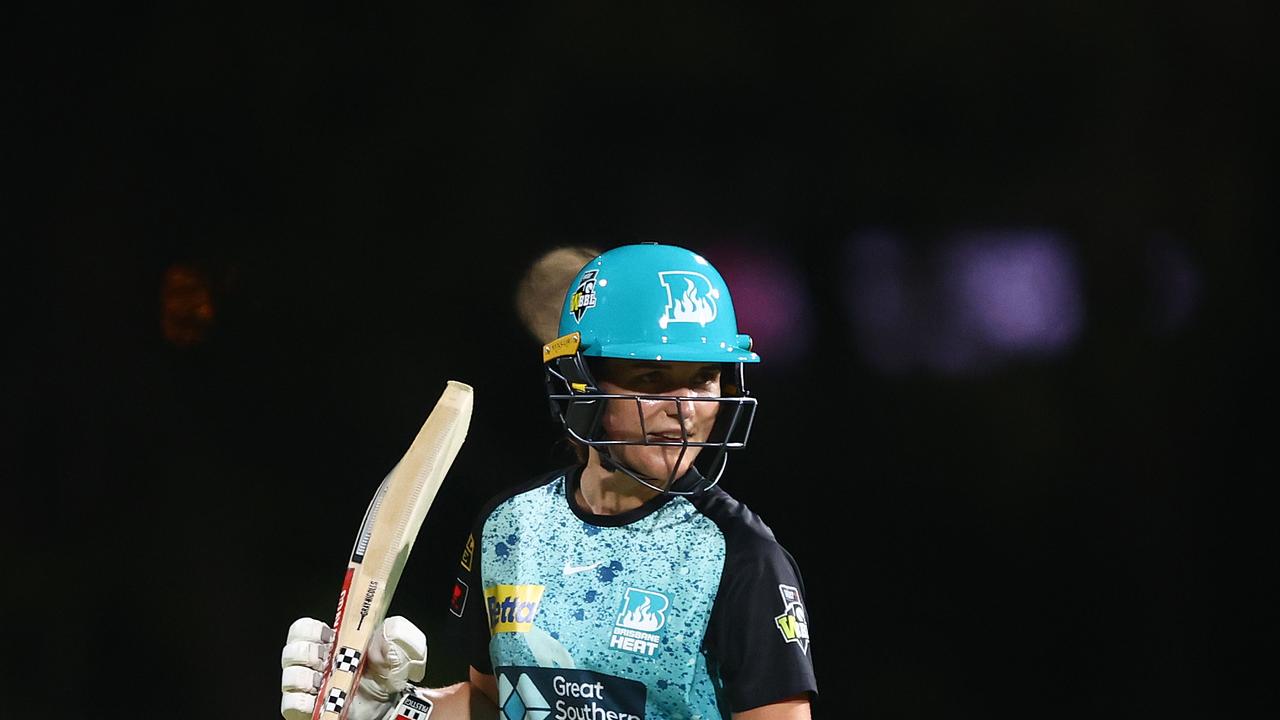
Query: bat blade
x: 387, y: 533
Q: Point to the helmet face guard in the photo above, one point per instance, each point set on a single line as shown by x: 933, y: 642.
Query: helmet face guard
x: 657, y: 303
x: 580, y: 407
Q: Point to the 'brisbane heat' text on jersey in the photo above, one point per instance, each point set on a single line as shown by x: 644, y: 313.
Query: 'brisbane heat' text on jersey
x: 686, y: 607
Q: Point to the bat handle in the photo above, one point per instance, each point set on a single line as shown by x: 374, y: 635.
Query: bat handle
x: 321, y: 692
x: 322, y: 697
x: 355, y: 686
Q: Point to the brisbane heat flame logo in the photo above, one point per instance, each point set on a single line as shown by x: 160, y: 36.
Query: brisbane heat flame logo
x: 641, y: 616
x: 690, y: 298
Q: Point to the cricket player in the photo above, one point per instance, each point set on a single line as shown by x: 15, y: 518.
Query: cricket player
x: 629, y: 584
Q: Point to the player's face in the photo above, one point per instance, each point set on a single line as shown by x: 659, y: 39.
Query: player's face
x: 669, y: 417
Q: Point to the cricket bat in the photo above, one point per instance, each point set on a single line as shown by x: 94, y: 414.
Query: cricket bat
x: 382, y: 546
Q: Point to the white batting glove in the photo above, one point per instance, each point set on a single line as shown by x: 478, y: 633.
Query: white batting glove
x: 397, y: 654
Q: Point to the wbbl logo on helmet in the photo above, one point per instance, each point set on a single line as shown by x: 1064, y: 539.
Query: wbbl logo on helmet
x: 584, y: 296
x: 691, y: 300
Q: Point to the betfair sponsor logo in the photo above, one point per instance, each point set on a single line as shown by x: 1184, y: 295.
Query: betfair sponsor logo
x: 512, y: 608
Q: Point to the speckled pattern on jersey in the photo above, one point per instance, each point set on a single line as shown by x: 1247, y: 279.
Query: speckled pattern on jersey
x: 631, y: 601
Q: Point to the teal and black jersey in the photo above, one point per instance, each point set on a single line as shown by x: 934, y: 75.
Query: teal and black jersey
x: 686, y: 607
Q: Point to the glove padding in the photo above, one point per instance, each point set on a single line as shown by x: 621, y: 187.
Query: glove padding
x: 397, y: 654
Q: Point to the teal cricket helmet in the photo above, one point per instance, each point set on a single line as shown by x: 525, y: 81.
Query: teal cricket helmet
x: 650, y: 302
x: 654, y: 302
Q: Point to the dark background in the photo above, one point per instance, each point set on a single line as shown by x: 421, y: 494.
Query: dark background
x: 1082, y: 534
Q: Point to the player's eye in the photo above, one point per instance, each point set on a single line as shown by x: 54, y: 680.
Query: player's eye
x: 653, y: 377
x: 707, y: 376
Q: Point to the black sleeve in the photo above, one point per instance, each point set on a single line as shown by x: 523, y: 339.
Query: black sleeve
x: 758, y: 635
x: 467, y: 604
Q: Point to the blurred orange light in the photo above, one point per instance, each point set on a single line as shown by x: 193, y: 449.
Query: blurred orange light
x: 186, y: 306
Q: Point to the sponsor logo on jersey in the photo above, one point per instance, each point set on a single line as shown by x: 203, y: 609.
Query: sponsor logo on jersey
x: 458, y: 598
x: 584, y: 296
x: 642, y: 614
x: 793, y: 623
x: 520, y: 699
x: 468, y: 552
x: 533, y: 693
x: 512, y: 608
x: 691, y: 298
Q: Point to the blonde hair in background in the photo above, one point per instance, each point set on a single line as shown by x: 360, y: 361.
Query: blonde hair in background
x: 541, y: 290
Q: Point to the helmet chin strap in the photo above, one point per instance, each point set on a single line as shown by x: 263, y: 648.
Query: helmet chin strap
x: 692, y: 478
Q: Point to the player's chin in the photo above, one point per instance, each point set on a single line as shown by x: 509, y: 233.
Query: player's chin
x: 661, y: 463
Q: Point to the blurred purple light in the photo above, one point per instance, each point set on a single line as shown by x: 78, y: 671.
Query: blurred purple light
x: 770, y: 297
x: 1018, y: 290
x: 879, y: 300
x: 1175, y: 282
x: 967, y: 305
